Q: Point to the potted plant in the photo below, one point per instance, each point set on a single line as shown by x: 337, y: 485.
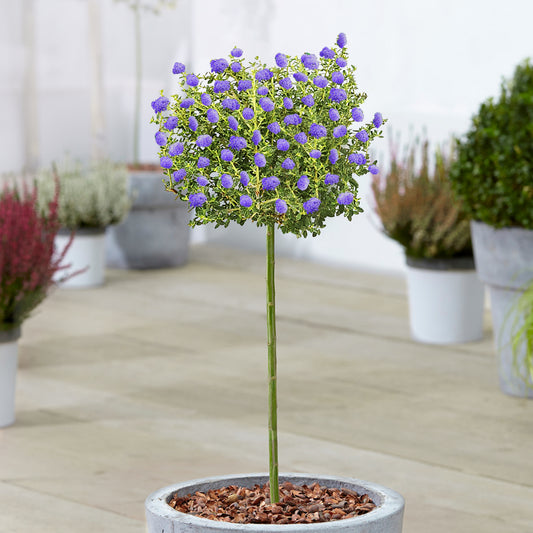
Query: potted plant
x: 155, y: 234
x: 279, y: 146
x: 91, y: 199
x: 27, y: 268
x: 417, y: 209
x: 493, y: 176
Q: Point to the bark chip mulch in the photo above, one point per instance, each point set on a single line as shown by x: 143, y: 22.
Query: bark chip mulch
x: 305, y: 504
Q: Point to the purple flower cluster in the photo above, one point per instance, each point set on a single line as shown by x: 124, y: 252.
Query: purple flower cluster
x: 300, y: 76
x: 192, y: 80
x: 202, y: 181
x: 302, y: 183
x: 312, y: 205
x: 236, y: 67
x: 221, y: 86
x: 283, y: 145
x: 264, y: 75
x: 203, y: 162
x: 378, y: 120
x: 320, y: 81
x: 160, y: 104
x: 204, y: 141
x: 231, y: 103
x: 248, y: 113
x: 266, y: 104
x: 357, y: 114
x: 212, y: 115
x: 160, y: 138
x: 188, y: 102
x: 236, y: 52
x: 358, y: 159
x: 331, y: 179
x: 270, y: 183
x: 286, y: 83
x: 179, y: 174
x: 328, y: 53
x: 310, y: 61
x: 232, y: 123
x: 288, y: 164
x: 337, y: 95
x: 226, y: 155
x: 219, y: 65
x: 205, y: 99
x: 281, y: 60
x: 293, y: 120
x: 308, y: 100
x: 176, y: 149
x: 244, y: 85
x: 237, y: 143
x: 245, y: 179
x: 171, y: 123
x: 339, y: 131
x: 197, y: 199
x: 259, y: 160
x: 288, y: 103
x: 256, y: 137
x: 274, y: 128
x: 226, y: 181
x: 317, y: 131
x: 245, y: 201
x: 345, y: 198
x: 178, y: 68
x: 333, y: 114
x: 362, y: 136
x: 300, y: 138
x: 281, y: 206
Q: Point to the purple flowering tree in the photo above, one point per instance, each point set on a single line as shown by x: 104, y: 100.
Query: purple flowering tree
x: 281, y: 146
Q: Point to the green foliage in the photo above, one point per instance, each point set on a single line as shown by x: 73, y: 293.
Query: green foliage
x: 90, y: 197
x: 417, y: 208
x: 493, y: 173
x: 222, y: 204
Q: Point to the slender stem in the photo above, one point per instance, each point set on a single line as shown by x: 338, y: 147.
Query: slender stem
x: 138, y: 78
x: 272, y: 368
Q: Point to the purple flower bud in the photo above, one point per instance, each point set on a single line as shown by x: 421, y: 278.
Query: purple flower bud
x: 288, y: 164
x: 259, y: 160
x: 357, y: 114
x: 341, y: 62
x: 193, y: 123
x: 281, y: 206
x: 274, y: 128
x: 165, y: 162
x: 281, y: 60
x: 310, y: 61
x: 171, y: 123
x: 315, y: 154
x: 331, y: 179
x: 226, y: 181
x: 283, y: 145
x: 378, y: 120
x: 287, y: 103
x: 231, y: 104
x: 308, y: 100
x: 219, y: 65
x: 188, y: 102
x: 362, y: 136
x: 262, y: 91
x: 236, y: 67
x: 204, y: 141
x: 236, y: 52
x: 373, y: 169
x: 178, y: 68
x: 263, y: 75
x: 245, y: 201
x: 237, y: 143
x: 302, y: 183
x: 178, y: 175
x: 339, y: 131
x: 233, y: 124
x: 341, y: 40
x: 270, y: 183
x: 226, y: 155
x: 192, y: 80
x: 337, y: 95
x: 337, y: 77
x: 197, y: 199
x: 300, y: 138
x: 317, y: 131
x: 256, y: 137
x: 248, y: 113
x: 221, y: 86
x: 205, y: 99
x: 320, y: 81
x: 244, y: 85
x: 176, y: 149
x: 328, y: 53
x: 245, y: 179
x: 203, y: 162
x: 160, y: 138
x: 300, y: 76
x: 266, y: 104
x: 212, y: 115
x: 345, y: 198
x: 293, y: 120
x: 286, y: 83
x: 358, y: 159
x: 333, y: 114
x: 202, y: 181
x: 311, y: 206
x: 160, y: 104
x: 333, y: 156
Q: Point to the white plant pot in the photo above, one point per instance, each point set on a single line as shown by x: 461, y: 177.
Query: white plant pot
x: 446, y: 304
x: 87, y: 254
x: 8, y: 375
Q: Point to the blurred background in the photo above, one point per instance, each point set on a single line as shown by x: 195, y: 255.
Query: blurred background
x: 68, y: 73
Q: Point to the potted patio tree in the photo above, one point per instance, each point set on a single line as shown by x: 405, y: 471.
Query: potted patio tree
x: 493, y: 176
x: 415, y: 203
x: 91, y: 199
x: 28, y: 265
x: 280, y: 146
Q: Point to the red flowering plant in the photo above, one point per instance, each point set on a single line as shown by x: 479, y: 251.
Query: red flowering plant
x: 281, y: 146
x: 27, y: 260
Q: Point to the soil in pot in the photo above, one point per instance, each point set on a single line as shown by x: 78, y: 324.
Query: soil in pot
x: 299, y: 504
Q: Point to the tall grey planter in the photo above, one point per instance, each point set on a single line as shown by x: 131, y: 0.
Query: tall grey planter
x: 386, y: 518
x: 504, y: 261
x: 155, y: 233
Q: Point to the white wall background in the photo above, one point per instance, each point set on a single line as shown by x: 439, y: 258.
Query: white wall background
x: 425, y: 66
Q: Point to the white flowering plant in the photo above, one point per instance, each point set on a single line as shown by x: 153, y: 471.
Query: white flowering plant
x: 281, y: 146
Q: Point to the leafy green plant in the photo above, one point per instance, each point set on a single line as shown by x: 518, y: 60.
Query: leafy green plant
x: 278, y: 146
x: 417, y: 207
x: 493, y: 173
x: 90, y: 197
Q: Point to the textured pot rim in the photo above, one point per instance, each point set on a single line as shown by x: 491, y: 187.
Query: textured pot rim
x: 390, y: 502
x: 81, y: 232
x: 452, y: 263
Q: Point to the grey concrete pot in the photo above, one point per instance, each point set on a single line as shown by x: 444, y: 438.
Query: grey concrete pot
x: 155, y: 234
x: 504, y: 261
x: 386, y: 518
x: 8, y: 374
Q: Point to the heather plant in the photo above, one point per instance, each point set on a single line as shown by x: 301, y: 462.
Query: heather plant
x: 27, y: 260
x: 90, y: 197
x: 417, y: 208
x: 279, y: 145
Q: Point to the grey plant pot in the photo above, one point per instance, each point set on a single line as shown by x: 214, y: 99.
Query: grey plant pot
x: 386, y: 518
x: 155, y: 234
x: 504, y: 261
